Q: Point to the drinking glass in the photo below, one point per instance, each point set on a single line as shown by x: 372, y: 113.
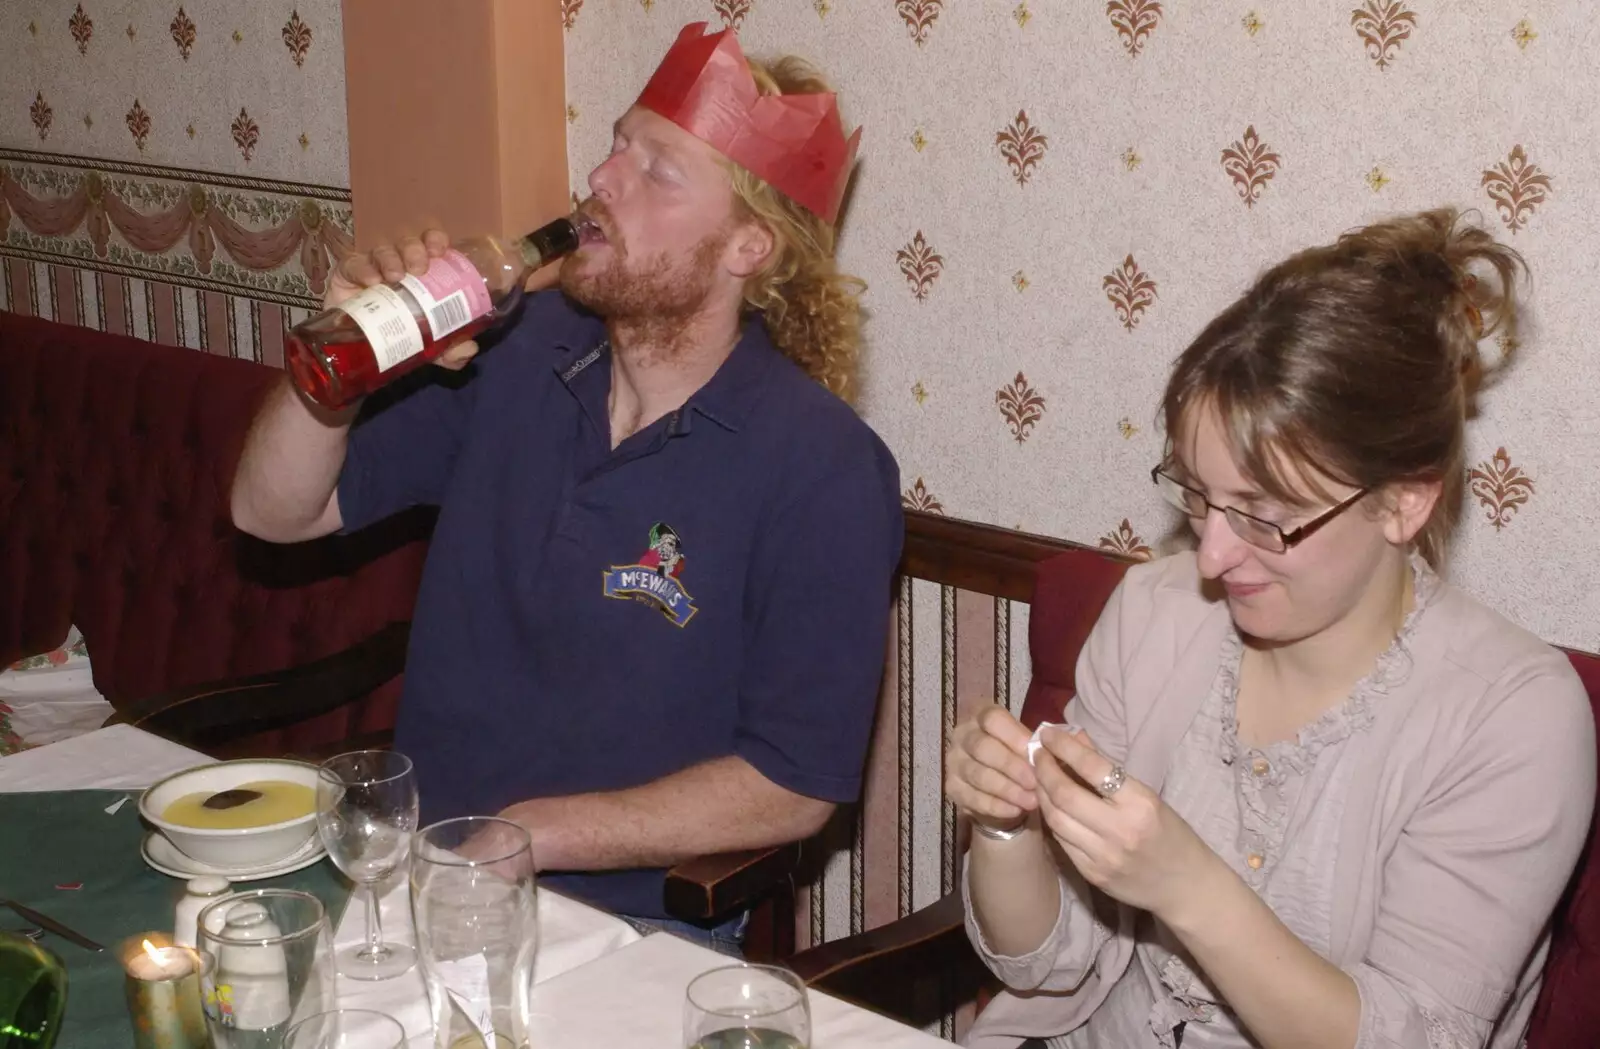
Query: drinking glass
x: 746, y: 1007
x: 346, y: 1029
x: 266, y: 960
x: 366, y: 812
x: 472, y: 889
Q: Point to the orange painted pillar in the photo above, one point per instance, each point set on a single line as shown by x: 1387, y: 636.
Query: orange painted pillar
x: 457, y: 115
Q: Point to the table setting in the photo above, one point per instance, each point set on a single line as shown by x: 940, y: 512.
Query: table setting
x: 154, y: 897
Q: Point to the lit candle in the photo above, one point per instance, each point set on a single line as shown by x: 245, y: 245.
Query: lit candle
x: 160, y: 963
x: 163, y: 992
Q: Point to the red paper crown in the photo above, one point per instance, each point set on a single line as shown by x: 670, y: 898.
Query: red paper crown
x: 794, y: 142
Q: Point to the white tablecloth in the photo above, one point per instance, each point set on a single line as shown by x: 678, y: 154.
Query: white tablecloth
x: 570, y: 934
x: 125, y: 758
x: 117, y: 758
x: 633, y: 999
x: 598, y: 983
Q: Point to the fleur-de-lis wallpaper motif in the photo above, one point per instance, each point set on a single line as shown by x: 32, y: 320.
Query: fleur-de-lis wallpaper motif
x: 297, y: 37
x: 1252, y: 23
x: 1021, y: 406
x: 1376, y: 179
x: 821, y: 7
x: 1122, y: 540
x: 1382, y: 25
x: 138, y: 121
x: 42, y: 114
x: 1126, y: 428
x: 1251, y: 165
x: 82, y: 27
x: 920, y: 264
x: 182, y: 28
x: 1517, y: 188
x: 732, y: 12
x: 1023, y: 146
x: 246, y: 133
x: 917, y: 497
x: 1131, y: 292
x: 569, y: 12
x: 919, y: 16
x: 1523, y: 34
x: 1501, y: 487
x: 1022, y: 15
x: 1134, y: 21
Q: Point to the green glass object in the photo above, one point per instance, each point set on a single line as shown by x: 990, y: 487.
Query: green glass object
x: 33, y: 994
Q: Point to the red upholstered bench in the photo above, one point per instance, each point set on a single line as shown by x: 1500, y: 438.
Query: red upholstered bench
x: 1069, y: 591
x: 116, y: 457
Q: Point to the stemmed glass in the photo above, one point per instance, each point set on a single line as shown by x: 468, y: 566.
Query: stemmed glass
x: 366, y: 812
x: 746, y: 1007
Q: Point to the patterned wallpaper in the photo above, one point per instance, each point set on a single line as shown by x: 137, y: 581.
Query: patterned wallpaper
x: 1054, y: 198
x: 184, y: 163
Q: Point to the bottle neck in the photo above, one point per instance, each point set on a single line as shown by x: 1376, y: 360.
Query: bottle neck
x: 548, y: 243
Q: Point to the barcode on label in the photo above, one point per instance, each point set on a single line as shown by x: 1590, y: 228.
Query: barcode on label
x: 448, y: 314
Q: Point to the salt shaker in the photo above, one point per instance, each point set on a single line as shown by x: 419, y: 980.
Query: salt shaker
x: 198, y: 894
x: 253, y: 968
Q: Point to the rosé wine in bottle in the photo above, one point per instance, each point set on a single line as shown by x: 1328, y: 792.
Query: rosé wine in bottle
x: 344, y: 353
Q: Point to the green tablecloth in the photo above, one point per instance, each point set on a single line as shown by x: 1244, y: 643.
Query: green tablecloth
x: 55, y: 838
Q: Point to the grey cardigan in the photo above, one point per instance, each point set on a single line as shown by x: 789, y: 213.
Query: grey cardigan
x: 1462, y: 827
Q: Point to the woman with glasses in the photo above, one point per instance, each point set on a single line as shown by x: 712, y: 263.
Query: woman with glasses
x: 1308, y: 794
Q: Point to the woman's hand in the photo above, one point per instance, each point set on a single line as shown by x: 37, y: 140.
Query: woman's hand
x: 987, y: 774
x: 1130, y: 845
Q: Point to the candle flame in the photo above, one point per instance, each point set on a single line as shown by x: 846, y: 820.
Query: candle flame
x: 156, y: 955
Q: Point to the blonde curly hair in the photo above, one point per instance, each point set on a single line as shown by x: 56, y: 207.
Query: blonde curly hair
x: 812, y: 311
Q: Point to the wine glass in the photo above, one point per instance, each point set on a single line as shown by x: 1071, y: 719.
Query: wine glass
x: 366, y: 812
x: 746, y: 1007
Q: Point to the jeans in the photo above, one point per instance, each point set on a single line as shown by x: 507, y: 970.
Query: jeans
x: 726, y: 938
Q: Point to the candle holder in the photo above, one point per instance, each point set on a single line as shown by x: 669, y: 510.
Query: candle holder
x: 163, y: 992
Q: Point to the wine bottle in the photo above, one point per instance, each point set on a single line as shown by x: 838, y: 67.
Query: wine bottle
x: 344, y: 353
x: 33, y: 994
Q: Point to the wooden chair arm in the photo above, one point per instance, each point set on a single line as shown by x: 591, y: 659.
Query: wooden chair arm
x: 709, y: 887
x: 934, y: 930
x: 891, y: 969
x: 213, y: 714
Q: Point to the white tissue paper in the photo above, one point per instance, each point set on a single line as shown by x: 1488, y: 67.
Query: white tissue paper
x: 1037, y: 741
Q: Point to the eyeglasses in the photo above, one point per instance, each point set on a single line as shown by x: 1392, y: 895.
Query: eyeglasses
x: 1253, y: 530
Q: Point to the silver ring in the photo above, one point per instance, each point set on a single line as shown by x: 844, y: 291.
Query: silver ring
x: 1112, y: 781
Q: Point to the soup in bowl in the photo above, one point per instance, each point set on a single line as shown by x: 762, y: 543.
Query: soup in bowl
x: 272, y: 813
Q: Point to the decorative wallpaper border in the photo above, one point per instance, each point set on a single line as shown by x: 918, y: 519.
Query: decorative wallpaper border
x: 271, y: 240
x: 158, y: 311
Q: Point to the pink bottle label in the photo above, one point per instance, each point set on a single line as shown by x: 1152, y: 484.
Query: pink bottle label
x: 451, y: 273
x: 452, y: 293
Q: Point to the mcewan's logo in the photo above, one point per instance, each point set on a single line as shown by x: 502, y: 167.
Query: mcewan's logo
x: 654, y: 577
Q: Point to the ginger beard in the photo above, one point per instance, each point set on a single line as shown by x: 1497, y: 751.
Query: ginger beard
x: 662, y: 291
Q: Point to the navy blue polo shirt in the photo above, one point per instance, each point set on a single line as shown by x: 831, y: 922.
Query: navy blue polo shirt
x: 594, y: 619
